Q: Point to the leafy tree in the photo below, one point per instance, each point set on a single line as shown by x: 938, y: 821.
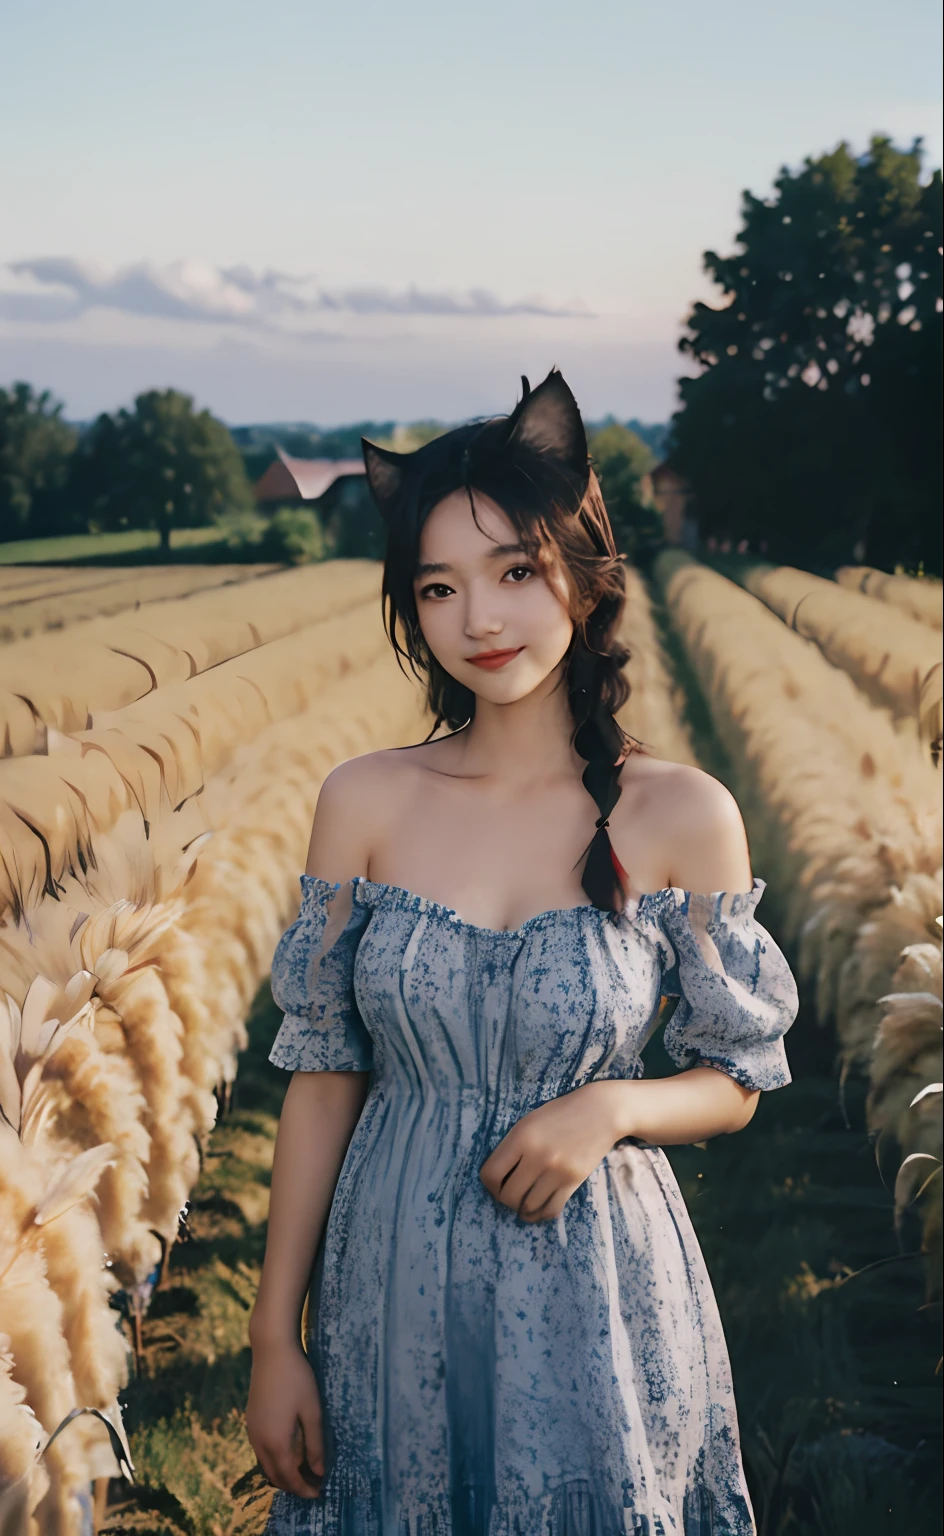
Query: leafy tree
x: 35, y: 450
x: 621, y: 459
x: 161, y: 465
x: 813, y: 422
x: 655, y: 435
x: 412, y: 435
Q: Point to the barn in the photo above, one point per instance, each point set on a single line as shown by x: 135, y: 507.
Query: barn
x: 288, y: 479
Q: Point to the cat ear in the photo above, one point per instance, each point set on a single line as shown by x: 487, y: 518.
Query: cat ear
x: 384, y: 474
x: 547, y: 421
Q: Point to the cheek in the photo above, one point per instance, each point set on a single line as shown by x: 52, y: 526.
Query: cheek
x: 549, y: 619
x: 441, y: 629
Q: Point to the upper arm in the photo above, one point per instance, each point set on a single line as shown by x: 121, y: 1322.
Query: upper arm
x: 706, y: 841
x: 342, y: 830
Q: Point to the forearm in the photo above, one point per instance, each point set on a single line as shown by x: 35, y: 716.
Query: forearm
x: 669, y: 1111
x: 318, y: 1117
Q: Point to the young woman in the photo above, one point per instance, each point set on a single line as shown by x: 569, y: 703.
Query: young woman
x: 510, y: 1329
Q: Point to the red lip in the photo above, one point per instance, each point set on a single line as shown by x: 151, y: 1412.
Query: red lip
x: 491, y: 660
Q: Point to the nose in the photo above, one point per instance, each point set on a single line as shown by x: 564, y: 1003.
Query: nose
x: 482, y: 620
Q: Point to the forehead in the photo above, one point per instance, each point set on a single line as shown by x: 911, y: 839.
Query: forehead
x: 451, y: 532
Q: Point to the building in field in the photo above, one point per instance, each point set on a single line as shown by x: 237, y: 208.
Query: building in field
x: 336, y: 491
x: 288, y: 479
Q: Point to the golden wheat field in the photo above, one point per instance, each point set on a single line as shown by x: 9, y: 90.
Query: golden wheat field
x: 38, y: 598
x: 164, y: 737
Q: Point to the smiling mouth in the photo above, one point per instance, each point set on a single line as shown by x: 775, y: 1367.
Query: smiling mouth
x: 491, y: 660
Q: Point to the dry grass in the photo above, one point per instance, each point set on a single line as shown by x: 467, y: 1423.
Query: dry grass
x: 68, y: 682
x: 843, y: 811
x: 921, y: 598
x: 36, y: 599
x: 655, y: 711
x: 895, y: 659
x: 149, y: 958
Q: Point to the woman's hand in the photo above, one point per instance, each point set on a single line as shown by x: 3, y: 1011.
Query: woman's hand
x: 283, y: 1419
x: 535, y: 1169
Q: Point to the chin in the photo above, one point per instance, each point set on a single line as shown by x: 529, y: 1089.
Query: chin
x: 507, y: 690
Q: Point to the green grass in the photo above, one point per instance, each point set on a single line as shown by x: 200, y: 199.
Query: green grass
x: 83, y: 547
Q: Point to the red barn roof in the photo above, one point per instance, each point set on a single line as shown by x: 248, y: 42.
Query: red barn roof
x: 289, y: 479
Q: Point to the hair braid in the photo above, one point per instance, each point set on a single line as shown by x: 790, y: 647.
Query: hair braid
x: 597, y: 686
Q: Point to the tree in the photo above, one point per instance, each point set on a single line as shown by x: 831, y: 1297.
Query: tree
x: 35, y: 450
x: 813, y: 421
x: 161, y: 465
x: 621, y: 460
x: 409, y: 436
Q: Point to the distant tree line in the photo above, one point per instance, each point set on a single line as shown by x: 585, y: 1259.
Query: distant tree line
x: 813, y: 424
x: 161, y: 464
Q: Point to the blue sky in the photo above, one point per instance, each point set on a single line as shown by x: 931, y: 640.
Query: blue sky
x: 327, y: 212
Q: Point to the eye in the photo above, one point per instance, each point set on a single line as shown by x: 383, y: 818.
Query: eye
x: 526, y: 569
x: 434, y: 589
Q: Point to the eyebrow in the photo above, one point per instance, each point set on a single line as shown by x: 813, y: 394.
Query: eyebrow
x: 437, y: 568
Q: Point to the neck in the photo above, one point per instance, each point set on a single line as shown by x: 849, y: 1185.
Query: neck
x: 524, y: 742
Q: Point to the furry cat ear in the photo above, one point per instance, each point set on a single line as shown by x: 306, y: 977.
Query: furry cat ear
x: 384, y: 474
x: 547, y: 421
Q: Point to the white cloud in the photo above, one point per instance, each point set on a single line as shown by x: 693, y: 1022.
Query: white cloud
x: 49, y: 289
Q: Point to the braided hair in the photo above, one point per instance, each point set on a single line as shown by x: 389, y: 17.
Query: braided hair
x: 534, y: 464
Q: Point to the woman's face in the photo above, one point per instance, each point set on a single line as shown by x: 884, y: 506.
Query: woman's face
x: 478, y: 592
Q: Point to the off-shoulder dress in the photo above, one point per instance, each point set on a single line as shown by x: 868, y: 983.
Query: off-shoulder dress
x: 482, y: 1375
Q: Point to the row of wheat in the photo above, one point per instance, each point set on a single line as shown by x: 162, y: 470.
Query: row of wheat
x: 844, y: 817
x: 107, y: 664
x: 922, y: 597
x: 35, y: 598
x: 654, y: 713
x: 127, y: 964
x: 894, y: 658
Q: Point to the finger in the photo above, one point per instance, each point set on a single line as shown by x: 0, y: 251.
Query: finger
x: 552, y: 1208
x: 294, y: 1466
x: 313, y: 1439
x: 496, y: 1169
x: 503, y: 1159
x: 284, y: 1473
x: 516, y: 1186
x: 542, y: 1190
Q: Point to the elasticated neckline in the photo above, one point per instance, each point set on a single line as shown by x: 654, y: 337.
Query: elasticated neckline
x: 647, y: 904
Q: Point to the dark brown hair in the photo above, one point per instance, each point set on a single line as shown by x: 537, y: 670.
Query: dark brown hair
x: 534, y: 465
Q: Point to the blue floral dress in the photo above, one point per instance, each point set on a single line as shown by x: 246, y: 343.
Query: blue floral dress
x: 481, y: 1375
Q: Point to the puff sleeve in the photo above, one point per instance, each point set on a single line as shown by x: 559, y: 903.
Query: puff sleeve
x: 737, y: 996
x: 312, y: 981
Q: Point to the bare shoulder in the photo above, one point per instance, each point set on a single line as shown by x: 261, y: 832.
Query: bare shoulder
x: 692, y: 819
x: 684, y: 794
x: 357, y: 800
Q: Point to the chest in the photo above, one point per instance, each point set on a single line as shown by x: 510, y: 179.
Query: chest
x: 568, y: 997
x: 496, y: 859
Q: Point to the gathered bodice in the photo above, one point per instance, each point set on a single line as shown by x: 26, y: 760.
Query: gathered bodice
x: 372, y: 976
